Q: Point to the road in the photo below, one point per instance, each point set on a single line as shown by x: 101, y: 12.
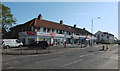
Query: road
x: 67, y: 58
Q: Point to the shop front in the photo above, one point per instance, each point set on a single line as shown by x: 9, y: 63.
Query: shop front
x: 27, y: 37
x: 51, y: 38
x: 76, y: 39
x: 68, y: 39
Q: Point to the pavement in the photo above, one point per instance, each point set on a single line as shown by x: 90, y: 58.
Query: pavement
x: 27, y: 51
x: 66, y: 58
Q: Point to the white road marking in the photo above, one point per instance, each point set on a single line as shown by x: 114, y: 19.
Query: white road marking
x: 47, y: 60
x: 16, y: 61
x: 82, y: 55
x: 71, y: 63
x: 96, y: 46
x: 7, y: 63
x: 9, y: 67
x: 86, y: 55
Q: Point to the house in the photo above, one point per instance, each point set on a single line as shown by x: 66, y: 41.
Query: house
x: 39, y: 29
x: 104, y: 37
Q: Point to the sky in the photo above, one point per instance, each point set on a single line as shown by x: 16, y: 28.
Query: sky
x: 79, y: 13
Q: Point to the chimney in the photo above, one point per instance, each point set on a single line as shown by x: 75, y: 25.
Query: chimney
x: 40, y: 17
x: 74, y: 25
x: 83, y: 28
x: 61, y: 22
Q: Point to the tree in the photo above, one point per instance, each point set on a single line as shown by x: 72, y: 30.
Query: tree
x: 7, y: 19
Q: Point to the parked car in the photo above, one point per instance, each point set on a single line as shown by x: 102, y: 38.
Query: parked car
x: 12, y: 43
x: 39, y: 44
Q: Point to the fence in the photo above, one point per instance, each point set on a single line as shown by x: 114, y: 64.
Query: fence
x: 25, y: 51
x: 37, y: 50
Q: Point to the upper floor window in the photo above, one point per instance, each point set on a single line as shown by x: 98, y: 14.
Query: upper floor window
x: 48, y: 30
x: 52, y: 30
x: 41, y: 29
x: 28, y: 28
x: 38, y: 29
x: 44, y: 30
x: 55, y: 31
x: 61, y: 32
x: 69, y: 33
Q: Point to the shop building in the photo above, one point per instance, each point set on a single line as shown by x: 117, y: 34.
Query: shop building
x: 39, y: 29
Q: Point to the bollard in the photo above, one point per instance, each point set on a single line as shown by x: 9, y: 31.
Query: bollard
x: 107, y: 47
x: 21, y: 49
x: 7, y: 49
x: 103, y: 47
x: 36, y: 50
x: 65, y: 45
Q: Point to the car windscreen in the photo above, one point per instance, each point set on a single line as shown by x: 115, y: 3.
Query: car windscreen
x: 18, y: 41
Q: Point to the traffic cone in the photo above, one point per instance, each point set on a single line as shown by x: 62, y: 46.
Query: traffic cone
x: 107, y: 47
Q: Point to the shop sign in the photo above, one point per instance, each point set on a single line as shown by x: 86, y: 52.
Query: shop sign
x: 59, y: 35
x: 87, y: 37
x: 31, y: 33
x: 52, y: 34
x: 68, y: 36
x: 82, y: 36
x: 75, y: 36
x: 43, y: 34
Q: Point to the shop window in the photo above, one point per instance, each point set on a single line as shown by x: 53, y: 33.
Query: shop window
x: 41, y: 39
x: 31, y: 40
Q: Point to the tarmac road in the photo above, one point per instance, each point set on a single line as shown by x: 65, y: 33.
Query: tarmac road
x: 66, y: 58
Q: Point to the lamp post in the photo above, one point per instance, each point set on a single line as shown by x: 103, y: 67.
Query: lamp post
x: 92, y: 29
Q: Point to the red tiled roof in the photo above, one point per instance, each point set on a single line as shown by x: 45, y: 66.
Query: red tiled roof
x: 52, y: 25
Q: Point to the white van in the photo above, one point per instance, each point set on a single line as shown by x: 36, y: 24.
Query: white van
x: 12, y: 42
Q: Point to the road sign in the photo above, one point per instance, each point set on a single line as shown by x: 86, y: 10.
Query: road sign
x: 107, y: 37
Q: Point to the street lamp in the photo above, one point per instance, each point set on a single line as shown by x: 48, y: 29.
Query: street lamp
x: 92, y: 28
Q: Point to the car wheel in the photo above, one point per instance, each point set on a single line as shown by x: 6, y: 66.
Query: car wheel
x: 20, y: 45
x: 7, y: 47
x: 44, y: 47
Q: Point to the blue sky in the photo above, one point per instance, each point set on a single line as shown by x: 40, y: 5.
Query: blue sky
x: 79, y: 13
